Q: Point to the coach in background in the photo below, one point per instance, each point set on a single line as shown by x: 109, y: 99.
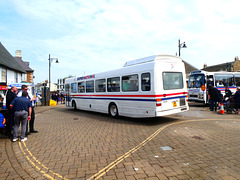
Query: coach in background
x: 24, y: 88
x: 23, y: 109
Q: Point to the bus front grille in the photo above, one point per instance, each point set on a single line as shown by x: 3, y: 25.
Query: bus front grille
x: 193, y: 95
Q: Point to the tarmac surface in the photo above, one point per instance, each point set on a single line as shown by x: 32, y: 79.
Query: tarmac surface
x: 198, y: 144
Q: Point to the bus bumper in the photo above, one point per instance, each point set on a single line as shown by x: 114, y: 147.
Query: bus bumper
x: 171, y: 111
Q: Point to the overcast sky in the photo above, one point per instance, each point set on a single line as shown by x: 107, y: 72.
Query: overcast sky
x: 97, y: 35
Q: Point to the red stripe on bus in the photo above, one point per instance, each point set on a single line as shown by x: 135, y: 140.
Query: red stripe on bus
x: 120, y: 95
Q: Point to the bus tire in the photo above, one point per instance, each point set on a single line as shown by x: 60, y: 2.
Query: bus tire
x: 113, y: 110
x: 74, y: 105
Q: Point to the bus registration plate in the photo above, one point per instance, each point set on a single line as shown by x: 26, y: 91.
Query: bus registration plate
x: 174, y: 104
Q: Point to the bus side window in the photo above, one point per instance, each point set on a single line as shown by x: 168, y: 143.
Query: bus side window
x: 89, y: 86
x: 81, y: 87
x: 231, y: 83
x: 125, y: 83
x: 219, y: 83
x: 237, y: 79
x: 130, y: 83
x: 113, y: 84
x: 172, y: 80
x: 224, y: 80
x: 74, y: 87
x: 146, y: 82
x: 100, y: 85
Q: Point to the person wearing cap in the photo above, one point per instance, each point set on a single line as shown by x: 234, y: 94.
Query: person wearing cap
x: 23, y: 109
x: 24, y: 88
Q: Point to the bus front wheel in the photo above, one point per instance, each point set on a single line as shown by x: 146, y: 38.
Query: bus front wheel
x: 113, y: 110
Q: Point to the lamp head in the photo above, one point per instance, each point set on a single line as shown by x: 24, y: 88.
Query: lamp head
x: 57, y: 60
x: 184, y: 45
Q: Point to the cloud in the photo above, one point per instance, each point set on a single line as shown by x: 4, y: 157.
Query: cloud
x: 100, y: 35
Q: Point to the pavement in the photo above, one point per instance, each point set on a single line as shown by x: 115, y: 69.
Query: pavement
x: 198, y: 144
x: 13, y: 165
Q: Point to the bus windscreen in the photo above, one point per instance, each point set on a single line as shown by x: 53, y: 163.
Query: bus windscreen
x: 196, y: 81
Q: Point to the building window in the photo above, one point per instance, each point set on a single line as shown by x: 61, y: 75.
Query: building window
x: 4, y: 75
x: 24, y: 77
x: 16, y: 77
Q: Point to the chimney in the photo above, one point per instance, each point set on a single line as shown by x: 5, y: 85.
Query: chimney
x: 204, y: 66
x: 19, y: 53
x: 236, y: 58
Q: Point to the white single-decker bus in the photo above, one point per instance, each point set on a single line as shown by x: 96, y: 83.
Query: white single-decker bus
x: 148, y: 87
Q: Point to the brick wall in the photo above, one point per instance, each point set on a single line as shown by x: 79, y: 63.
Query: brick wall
x: 30, y: 77
x: 236, y: 65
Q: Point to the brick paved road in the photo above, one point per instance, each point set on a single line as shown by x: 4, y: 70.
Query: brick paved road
x: 83, y: 145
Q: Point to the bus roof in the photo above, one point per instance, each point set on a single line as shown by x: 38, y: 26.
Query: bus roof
x: 130, y: 64
x: 168, y: 58
x: 212, y: 73
x: 198, y: 72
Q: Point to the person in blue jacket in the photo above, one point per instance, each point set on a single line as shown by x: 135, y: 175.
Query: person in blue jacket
x: 23, y: 109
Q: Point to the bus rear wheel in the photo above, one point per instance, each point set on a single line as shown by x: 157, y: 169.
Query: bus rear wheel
x: 113, y: 110
x: 74, y: 105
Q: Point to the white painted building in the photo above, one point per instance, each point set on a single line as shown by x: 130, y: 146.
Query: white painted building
x: 10, y: 76
x: 39, y: 87
x: 61, y: 84
x: 10, y: 70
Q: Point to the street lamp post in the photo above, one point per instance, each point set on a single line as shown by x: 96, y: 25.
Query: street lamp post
x: 50, y: 61
x: 181, y: 45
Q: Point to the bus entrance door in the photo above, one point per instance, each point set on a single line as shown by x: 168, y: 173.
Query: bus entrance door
x: 68, y: 99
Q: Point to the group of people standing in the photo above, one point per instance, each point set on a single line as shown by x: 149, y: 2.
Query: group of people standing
x: 58, y: 97
x: 215, y: 97
x: 20, y: 108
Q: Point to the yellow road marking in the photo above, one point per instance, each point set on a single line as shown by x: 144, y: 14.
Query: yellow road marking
x: 114, y: 163
x: 34, y: 164
x: 38, y: 168
x: 29, y: 152
x: 123, y: 157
